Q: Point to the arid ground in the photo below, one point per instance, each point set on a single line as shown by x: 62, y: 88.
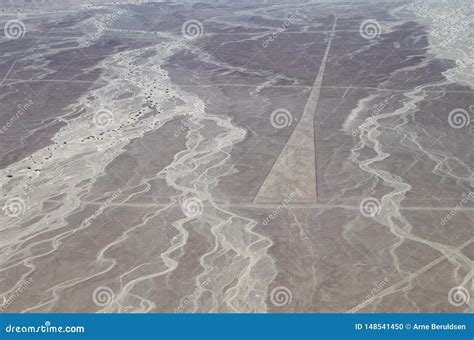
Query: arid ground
x: 237, y: 156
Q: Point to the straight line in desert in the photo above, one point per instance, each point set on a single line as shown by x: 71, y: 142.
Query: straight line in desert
x: 254, y: 206
x: 379, y: 89
x: 294, y: 172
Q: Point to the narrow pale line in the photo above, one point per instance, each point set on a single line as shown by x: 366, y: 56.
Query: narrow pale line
x: 9, y: 70
x: 54, y: 80
x: 320, y: 87
x: 242, y: 85
x: 346, y: 92
x: 422, y: 270
x: 246, y: 85
x: 270, y: 205
x: 268, y: 32
x: 298, y: 32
